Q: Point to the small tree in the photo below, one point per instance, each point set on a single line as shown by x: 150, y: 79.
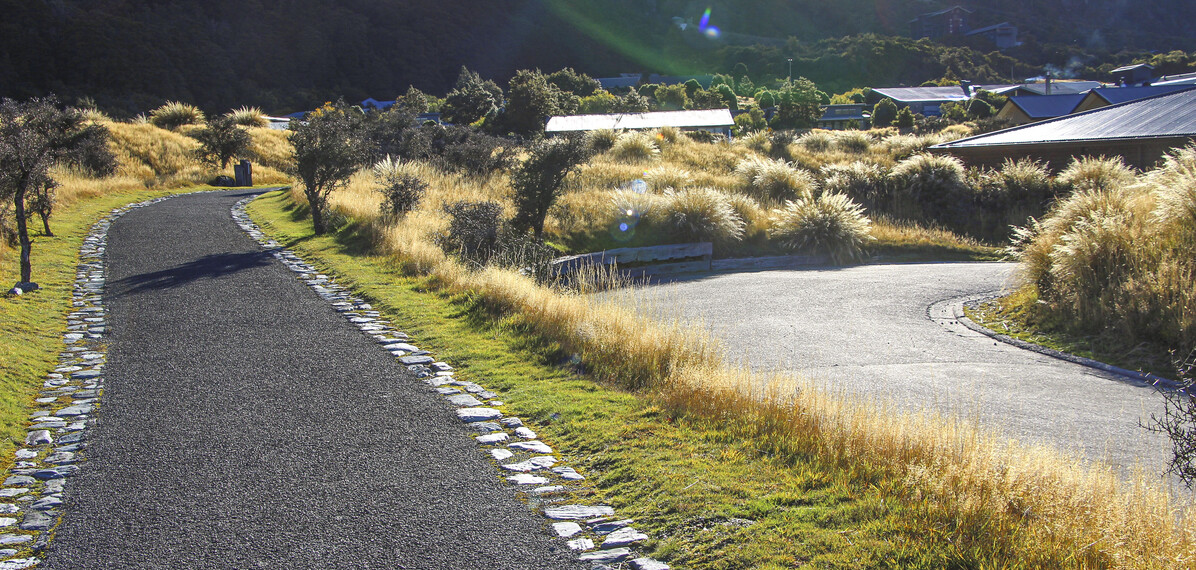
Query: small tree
x: 672, y: 97
x: 329, y: 148
x: 401, y: 191
x: 537, y: 182
x: 573, y: 82
x: 1178, y: 423
x: 532, y: 100
x: 33, y: 136
x: 884, y: 112
x: 472, y: 99
x: 797, y: 105
x: 221, y: 141
x: 905, y: 118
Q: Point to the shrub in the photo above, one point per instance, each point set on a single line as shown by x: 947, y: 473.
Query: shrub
x: 401, y: 191
x: 473, y: 230
x: 905, y: 119
x: 1176, y: 184
x: 757, y: 141
x: 817, y: 141
x: 537, y: 182
x: 248, y: 117
x: 174, y: 114
x: 330, y: 146
x: 830, y: 224
x: 1010, y: 195
x: 702, y: 214
x: 854, y: 142
x: 221, y: 141
x: 755, y: 218
x: 602, y: 140
x: 668, y: 134
x: 1096, y: 173
x: 884, y: 112
x: 635, y: 147
x: 864, y: 183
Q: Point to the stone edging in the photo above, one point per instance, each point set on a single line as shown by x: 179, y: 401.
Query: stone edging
x: 56, y: 438
x: 594, y: 531
x: 953, y: 309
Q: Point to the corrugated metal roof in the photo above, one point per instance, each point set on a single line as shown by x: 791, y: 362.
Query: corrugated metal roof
x: 1162, y: 116
x: 1132, y: 67
x: 1047, y: 106
x: 932, y: 94
x: 1062, y: 87
x: 1115, y: 95
x: 681, y: 119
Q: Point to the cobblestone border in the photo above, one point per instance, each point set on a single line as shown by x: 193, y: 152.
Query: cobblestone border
x: 527, y: 463
x: 56, y: 439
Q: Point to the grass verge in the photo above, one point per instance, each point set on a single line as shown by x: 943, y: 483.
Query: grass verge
x: 1008, y: 316
x: 731, y: 471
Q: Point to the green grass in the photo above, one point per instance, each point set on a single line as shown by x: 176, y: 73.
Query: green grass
x: 1009, y: 316
x: 709, y: 497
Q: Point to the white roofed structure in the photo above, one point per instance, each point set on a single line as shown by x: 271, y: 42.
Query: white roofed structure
x: 713, y: 120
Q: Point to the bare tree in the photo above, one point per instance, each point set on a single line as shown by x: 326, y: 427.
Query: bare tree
x: 1178, y: 422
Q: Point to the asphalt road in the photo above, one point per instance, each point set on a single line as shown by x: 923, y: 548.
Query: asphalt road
x: 865, y: 331
x: 245, y: 425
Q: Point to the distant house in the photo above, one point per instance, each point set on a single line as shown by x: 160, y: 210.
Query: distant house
x: 1054, y: 87
x: 1003, y: 35
x: 1023, y: 109
x: 1140, y: 132
x: 1103, y: 97
x: 717, y: 121
x: 843, y: 117
x: 372, y: 103
x: 703, y: 80
x: 278, y: 123
x: 1134, y: 74
x: 928, y: 100
x: 952, y: 21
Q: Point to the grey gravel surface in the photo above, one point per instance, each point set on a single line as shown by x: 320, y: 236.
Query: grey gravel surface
x: 245, y: 425
x: 864, y: 331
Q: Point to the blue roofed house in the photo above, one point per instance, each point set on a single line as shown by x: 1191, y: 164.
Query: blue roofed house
x: 1106, y: 96
x: 1022, y: 109
x: 844, y: 117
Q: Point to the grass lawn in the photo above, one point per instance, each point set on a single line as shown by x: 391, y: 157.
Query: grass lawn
x: 710, y: 498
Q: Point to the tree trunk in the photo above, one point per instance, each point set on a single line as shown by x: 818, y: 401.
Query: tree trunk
x: 23, y: 235
x: 318, y: 223
x: 46, y: 222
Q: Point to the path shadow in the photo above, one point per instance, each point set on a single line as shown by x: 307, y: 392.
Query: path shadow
x: 207, y: 267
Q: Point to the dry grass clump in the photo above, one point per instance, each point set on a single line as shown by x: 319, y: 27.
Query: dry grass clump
x: 901, y: 147
x: 830, y: 224
x: 174, y: 114
x: 1096, y: 173
x: 853, y: 142
x: 702, y: 214
x: 863, y: 182
x: 816, y: 141
x: 757, y: 141
x: 602, y: 140
x: 661, y: 178
x: 1118, y: 259
x: 248, y: 117
x: 774, y: 180
x: 928, y: 187
x: 755, y: 217
x: 635, y: 147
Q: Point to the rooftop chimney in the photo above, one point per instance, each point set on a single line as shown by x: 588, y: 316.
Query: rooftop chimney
x: 1048, y: 83
x: 967, y: 88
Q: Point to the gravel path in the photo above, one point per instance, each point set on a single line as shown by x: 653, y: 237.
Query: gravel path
x: 245, y: 425
x: 865, y: 331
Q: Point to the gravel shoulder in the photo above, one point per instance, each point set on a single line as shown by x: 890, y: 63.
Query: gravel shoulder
x: 244, y: 424
x: 865, y: 332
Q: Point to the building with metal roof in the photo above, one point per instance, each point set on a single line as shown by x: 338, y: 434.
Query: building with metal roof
x: 928, y: 100
x: 843, y: 117
x: 1106, y: 96
x: 1022, y: 109
x: 1003, y: 35
x: 1140, y: 131
x: 1055, y: 87
x: 713, y: 120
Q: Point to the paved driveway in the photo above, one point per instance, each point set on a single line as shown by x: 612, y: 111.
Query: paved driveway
x: 866, y: 331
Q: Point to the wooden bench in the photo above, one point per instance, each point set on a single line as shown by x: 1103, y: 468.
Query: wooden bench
x: 644, y: 261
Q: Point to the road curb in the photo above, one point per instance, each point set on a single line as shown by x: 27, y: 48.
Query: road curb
x: 955, y: 307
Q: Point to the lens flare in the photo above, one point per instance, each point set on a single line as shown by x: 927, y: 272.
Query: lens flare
x: 639, y: 186
x: 712, y: 32
x: 705, y: 20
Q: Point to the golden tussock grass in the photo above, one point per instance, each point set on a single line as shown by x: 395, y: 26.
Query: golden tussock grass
x: 991, y: 499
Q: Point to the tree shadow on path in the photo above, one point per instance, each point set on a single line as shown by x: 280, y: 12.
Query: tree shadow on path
x: 209, y: 267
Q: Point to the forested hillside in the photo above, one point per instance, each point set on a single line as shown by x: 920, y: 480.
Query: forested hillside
x: 131, y: 55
